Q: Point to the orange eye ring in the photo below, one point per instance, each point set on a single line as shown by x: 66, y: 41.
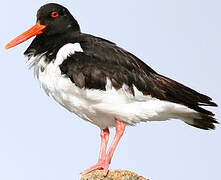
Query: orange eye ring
x: 54, y: 14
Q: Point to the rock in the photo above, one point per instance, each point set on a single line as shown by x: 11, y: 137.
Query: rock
x: 112, y: 175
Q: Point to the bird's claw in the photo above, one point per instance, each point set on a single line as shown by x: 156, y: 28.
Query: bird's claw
x: 99, y: 165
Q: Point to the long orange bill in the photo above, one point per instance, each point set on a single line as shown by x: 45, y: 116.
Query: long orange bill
x: 35, y: 30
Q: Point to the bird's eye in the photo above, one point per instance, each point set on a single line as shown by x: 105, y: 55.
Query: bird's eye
x: 54, y: 14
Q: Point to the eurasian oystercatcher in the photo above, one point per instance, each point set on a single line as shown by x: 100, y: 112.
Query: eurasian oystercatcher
x: 103, y: 83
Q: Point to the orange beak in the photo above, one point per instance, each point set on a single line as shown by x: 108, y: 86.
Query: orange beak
x: 33, y: 31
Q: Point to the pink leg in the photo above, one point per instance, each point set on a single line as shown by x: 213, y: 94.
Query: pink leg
x: 102, y: 155
x: 105, y: 159
x: 104, y: 140
x: 120, y: 127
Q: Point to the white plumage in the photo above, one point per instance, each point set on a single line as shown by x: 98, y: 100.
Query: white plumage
x: 98, y: 106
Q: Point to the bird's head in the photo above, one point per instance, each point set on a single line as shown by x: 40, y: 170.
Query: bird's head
x: 52, y: 19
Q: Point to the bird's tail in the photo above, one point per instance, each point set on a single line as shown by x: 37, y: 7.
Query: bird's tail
x: 203, y: 121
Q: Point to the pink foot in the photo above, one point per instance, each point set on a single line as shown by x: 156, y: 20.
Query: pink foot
x: 100, y: 165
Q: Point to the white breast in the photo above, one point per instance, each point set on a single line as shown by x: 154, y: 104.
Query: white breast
x: 97, y: 106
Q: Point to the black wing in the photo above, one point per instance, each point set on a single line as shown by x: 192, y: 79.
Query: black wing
x: 102, y: 59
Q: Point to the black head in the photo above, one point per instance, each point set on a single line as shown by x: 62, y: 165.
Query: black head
x: 53, y: 20
x: 57, y: 19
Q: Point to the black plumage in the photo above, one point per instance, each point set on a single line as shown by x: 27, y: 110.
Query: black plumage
x: 102, y: 59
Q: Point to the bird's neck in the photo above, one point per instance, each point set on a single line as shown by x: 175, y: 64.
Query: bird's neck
x: 49, y: 45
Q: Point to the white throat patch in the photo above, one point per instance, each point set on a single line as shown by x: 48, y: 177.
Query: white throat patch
x: 67, y: 50
x: 39, y: 61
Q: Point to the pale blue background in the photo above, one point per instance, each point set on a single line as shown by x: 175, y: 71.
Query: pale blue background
x: 39, y: 140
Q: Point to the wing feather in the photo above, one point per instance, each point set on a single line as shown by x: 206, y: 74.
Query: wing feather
x: 101, y: 59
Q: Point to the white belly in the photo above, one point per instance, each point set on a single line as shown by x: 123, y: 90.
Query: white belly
x: 66, y: 93
x: 103, y: 107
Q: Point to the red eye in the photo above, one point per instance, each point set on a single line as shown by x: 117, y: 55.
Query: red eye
x: 54, y: 14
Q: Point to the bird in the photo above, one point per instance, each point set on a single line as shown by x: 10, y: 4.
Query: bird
x: 103, y: 83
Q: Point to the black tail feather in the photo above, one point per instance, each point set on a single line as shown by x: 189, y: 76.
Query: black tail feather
x: 206, y: 122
